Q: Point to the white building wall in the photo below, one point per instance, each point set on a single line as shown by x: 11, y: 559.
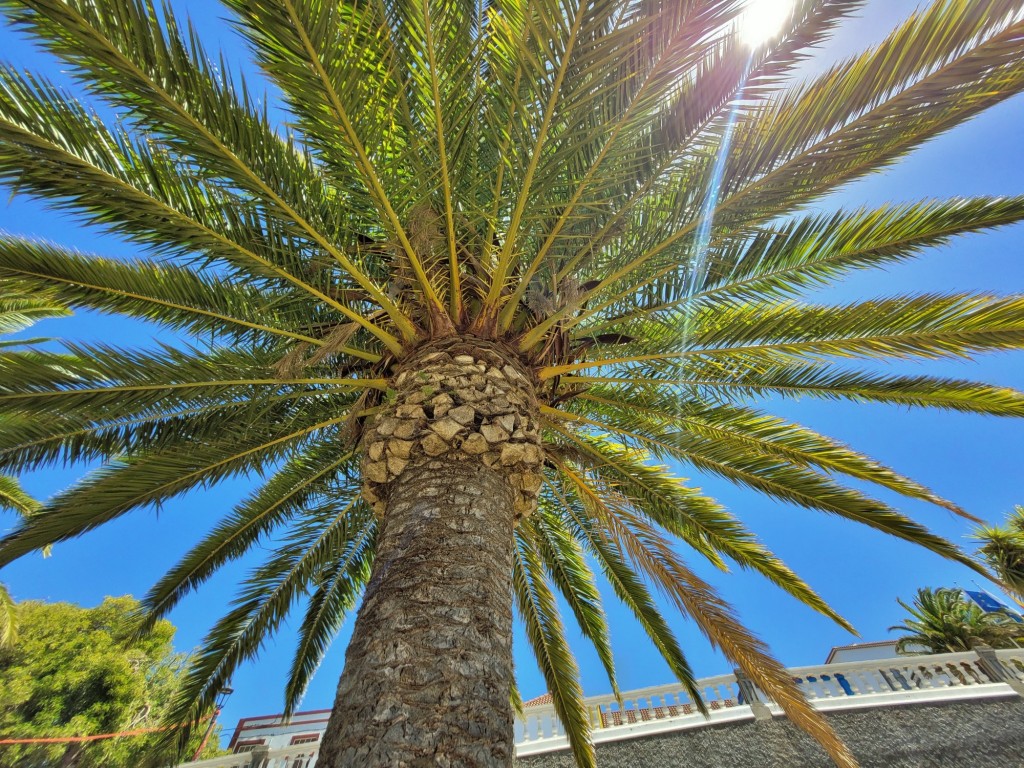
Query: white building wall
x: 273, y: 732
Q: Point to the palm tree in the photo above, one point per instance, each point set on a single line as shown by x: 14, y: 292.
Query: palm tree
x: 1002, y: 550
x: 501, y: 260
x: 943, y: 621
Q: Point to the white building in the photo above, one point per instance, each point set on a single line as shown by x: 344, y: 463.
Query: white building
x: 273, y: 732
x: 881, y: 649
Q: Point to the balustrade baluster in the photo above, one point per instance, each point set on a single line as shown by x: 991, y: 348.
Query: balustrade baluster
x: 829, y: 687
x: 875, y: 681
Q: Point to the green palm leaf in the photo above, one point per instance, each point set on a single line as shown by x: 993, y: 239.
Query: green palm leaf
x: 336, y: 594
x: 267, y: 596
x: 568, y: 570
x: 12, y: 497
x: 630, y: 589
x: 625, y: 482
x: 749, y: 429
x: 309, y: 474
x: 175, y: 297
x: 544, y: 629
x: 651, y: 553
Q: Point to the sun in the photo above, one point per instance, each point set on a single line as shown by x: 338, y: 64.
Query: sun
x: 762, y: 20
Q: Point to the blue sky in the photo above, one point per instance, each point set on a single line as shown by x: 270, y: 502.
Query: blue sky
x: 974, y: 461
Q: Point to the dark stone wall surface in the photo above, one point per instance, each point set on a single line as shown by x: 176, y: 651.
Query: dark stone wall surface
x: 975, y: 734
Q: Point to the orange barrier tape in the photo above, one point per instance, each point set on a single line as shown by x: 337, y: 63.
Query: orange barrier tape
x: 94, y: 737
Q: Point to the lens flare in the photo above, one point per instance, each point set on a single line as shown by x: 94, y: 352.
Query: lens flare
x: 696, y: 268
x: 762, y: 20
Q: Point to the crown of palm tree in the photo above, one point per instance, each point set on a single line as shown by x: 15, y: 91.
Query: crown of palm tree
x: 943, y: 621
x: 1002, y: 549
x: 547, y: 177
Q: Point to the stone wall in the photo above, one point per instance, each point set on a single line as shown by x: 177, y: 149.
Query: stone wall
x: 974, y: 734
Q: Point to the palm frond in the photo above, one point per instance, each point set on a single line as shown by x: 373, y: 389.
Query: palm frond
x: 336, y: 594
x: 312, y: 473
x: 625, y: 481
x: 798, y: 485
x: 653, y: 555
x: 717, y: 382
x: 927, y: 327
x: 154, y: 478
x: 266, y: 598
x: 308, y: 48
x: 629, y: 587
x: 101, y: 379
x: 807, y: 253
x: 749, y: 429
x: 1002, y: 549
x: 567, y: 567
x: 539, y: 612
x: 173, y: 296
x: 13, y: 496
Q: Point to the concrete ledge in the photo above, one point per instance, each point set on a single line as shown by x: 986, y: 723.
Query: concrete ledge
x: 735, y: 714
x: 925, y: 733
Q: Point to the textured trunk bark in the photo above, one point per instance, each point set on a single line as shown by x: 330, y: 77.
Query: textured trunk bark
x: 451, y: 461
x: 428, y: 670
x: 71, y: 755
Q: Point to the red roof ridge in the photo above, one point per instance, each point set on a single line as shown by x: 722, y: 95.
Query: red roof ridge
x: 544, y: 698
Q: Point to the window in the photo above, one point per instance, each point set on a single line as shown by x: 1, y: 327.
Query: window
x: 305, y: 760
x: 248, y: 745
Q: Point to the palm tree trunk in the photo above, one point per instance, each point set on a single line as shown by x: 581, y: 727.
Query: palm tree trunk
x: 71, y: 755
x: 428, y: 671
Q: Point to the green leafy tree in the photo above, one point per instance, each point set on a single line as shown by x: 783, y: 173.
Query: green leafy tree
x: 1002, y: 549
x: 502, y: 261
x: 944, y: 621
x: 82, y: 671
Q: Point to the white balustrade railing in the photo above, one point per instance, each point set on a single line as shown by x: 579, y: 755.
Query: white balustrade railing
x: 890, y: 676
x: 670, y: 707
x: 637, y: 707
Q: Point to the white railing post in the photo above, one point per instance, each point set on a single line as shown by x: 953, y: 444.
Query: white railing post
x: 749, y: 695
x: 259, y: 757
x: 995, y: 670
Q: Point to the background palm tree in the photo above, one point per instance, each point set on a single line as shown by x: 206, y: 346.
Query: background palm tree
x: 1002, y: 549
x: 944, y: 621
x: 502, y: 260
